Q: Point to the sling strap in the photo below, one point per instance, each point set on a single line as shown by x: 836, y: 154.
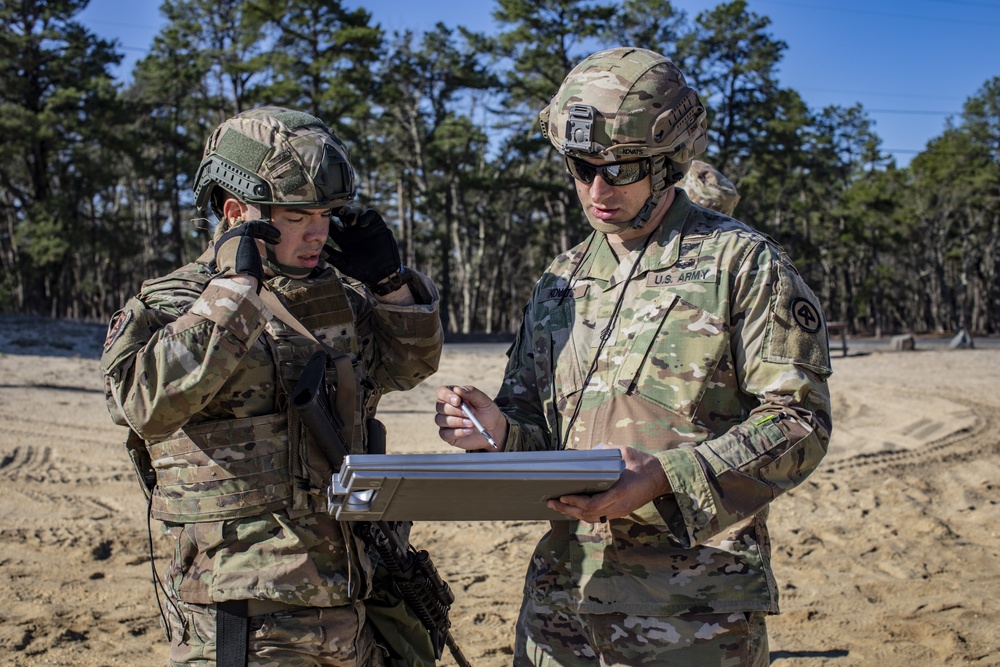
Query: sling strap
x: 346, y: 385
x: 232, y: 626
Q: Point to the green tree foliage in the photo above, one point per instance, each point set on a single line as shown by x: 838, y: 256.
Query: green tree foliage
x: 732, y: 61
x: 542, y: 41
x: 95, y: 181
x: 58, y: 115
x: 320, y: 59
x: 433, y: 150
x: 168, y: 97
x: 651, y: 24
x: 955, y: 208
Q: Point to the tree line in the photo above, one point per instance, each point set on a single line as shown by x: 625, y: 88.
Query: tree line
x: 96, y: 174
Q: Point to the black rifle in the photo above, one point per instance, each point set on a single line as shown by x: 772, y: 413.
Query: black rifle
x: 311, y: 400
x: 413, y: 573
x: 419, y: 583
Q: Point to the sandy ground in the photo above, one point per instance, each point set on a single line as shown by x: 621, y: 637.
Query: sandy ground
x: 887, y: 556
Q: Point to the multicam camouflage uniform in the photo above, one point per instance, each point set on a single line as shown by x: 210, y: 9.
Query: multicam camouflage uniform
x: 706, y: 186
x: 716, y: 364
x: 200, y: 370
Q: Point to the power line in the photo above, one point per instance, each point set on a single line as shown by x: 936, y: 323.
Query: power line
x: 965, y: 2
x: 799, y: 5
x: 874, y: 92
x: 133, y: 26
x: 913, y: 112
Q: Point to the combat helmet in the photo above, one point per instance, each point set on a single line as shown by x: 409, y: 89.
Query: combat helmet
x: 706, y: 186
x: 626, y: 104
x: 272, y: 156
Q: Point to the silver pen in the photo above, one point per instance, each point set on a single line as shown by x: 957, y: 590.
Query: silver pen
x: 479, y: 425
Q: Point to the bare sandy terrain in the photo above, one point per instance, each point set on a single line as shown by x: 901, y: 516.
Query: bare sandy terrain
x: 887, y: 556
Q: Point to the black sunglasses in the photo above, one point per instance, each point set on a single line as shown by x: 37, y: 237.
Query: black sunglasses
x: 614, y: 173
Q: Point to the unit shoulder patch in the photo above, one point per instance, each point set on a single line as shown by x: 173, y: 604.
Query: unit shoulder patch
x: 806, y: 315
x: 116, y: 326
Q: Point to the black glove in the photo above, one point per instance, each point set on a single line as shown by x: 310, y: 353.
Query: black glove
x: 368, y: 250
x: 236, y: 251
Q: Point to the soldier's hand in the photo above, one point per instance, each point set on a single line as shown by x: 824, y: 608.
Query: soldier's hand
x: 237, y: 252
x: 641, y: 482
x: 458, y: 430
x: 368, y: 250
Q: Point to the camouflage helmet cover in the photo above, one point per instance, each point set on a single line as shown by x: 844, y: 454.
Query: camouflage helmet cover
x: 626, y: 103
x: 275, y: 156
x: 706, y: 186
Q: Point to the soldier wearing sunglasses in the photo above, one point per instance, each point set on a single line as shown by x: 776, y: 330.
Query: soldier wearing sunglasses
x: 685, y: 339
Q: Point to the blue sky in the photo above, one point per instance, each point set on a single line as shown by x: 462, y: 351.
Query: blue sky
x: 910, y: 63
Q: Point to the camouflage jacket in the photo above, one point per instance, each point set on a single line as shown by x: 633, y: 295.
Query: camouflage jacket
x: 716, y: 364
x: 192, y: 367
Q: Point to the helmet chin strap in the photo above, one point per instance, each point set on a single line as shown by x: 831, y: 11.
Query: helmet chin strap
x: 277, y: 268
x: 271, y: 263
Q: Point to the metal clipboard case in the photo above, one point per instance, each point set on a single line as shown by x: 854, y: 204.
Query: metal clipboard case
x: 467, y: 487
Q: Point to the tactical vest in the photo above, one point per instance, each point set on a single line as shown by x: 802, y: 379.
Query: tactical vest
x: 237, y: 468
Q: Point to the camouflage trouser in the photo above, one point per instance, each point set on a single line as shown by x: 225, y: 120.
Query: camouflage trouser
x: 549, y: 637
x: 310, y: 637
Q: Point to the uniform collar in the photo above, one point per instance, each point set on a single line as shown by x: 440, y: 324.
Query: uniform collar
x: 601, y: 265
